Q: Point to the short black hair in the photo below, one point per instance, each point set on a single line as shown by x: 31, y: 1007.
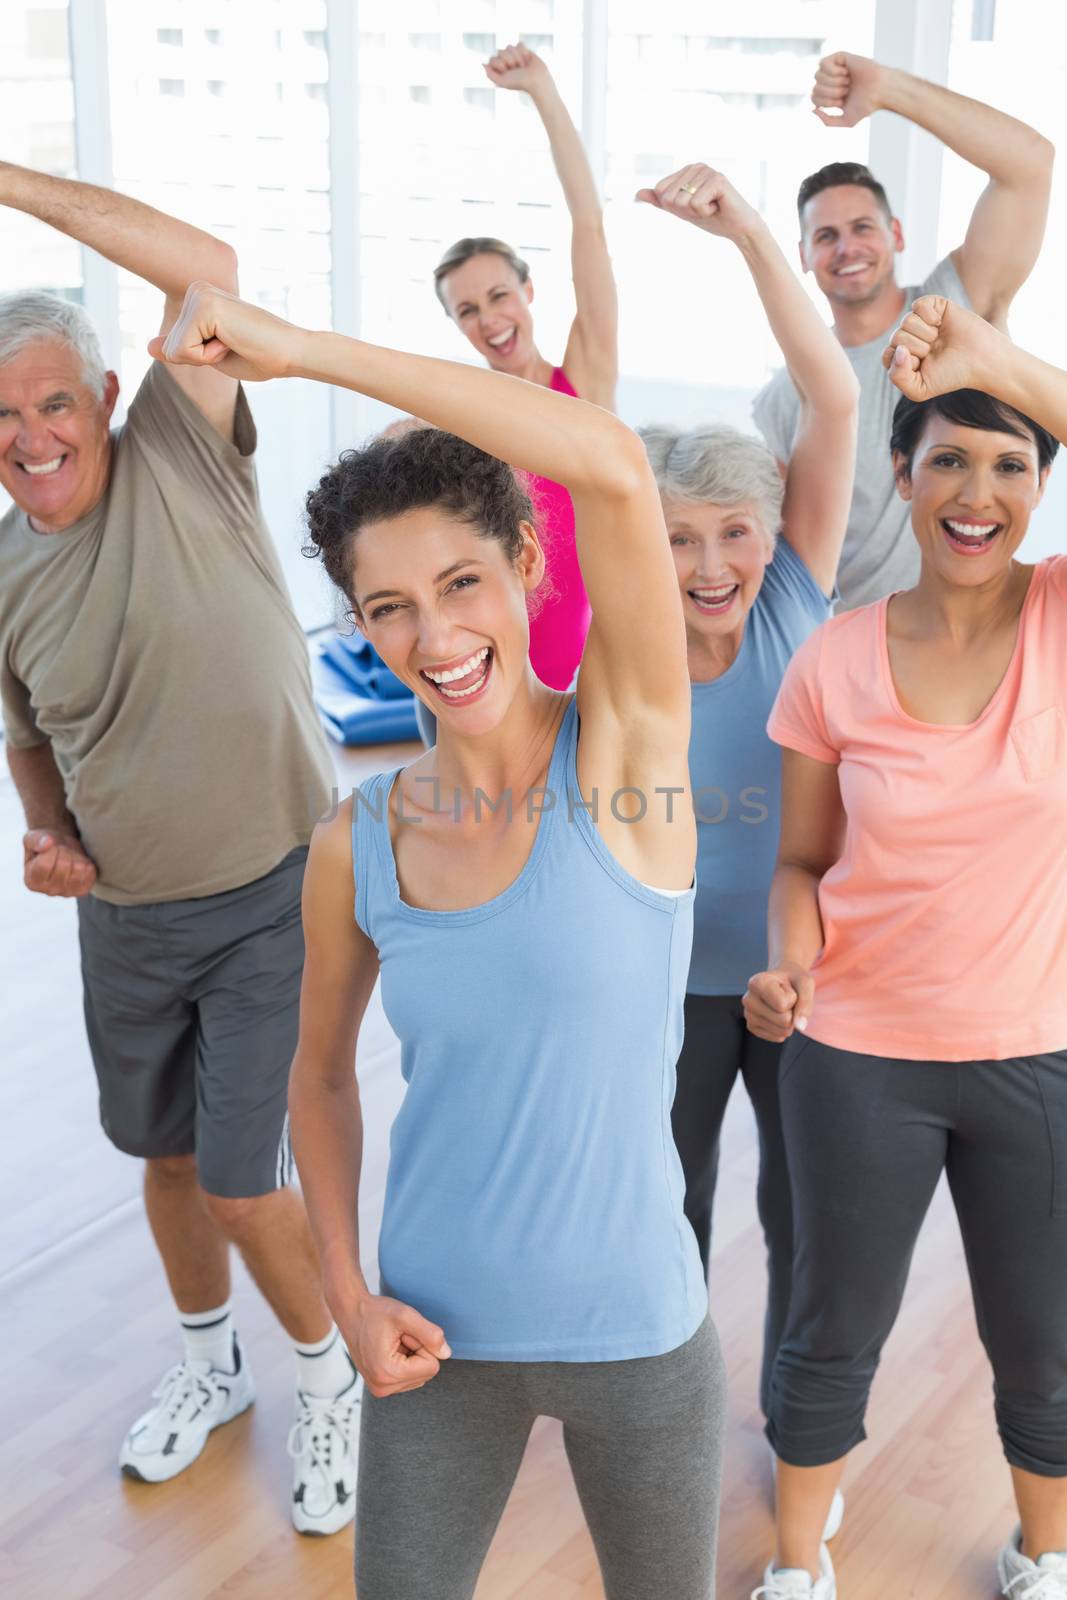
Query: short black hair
x: 837, y: 174
x: 424, y: 467
x: 967, y: 408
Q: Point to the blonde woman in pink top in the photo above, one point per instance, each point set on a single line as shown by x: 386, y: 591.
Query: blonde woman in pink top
x: 487, y: 291
x: 918, y: 942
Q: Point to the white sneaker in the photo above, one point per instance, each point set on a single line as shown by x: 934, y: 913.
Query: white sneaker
x: 1023, y: 1579
x: 796, y: 1583
x: 192, y: 1398
x: 324, y: 1445
x: 835, y: 1516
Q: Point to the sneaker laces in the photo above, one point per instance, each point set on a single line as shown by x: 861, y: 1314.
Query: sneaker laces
x: 1044, y: 1583
x: 322, y: 1427
x: 185, y: 1389
x: 786, y: 1586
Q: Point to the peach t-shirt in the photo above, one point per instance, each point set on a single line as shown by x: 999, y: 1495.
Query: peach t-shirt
x: 945, y: 918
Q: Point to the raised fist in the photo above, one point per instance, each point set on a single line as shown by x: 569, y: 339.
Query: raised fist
x: 940, y: 347
x: 216, y: 329
x: 700, y: 195
x: 516, y: 67
x: 847, y: 89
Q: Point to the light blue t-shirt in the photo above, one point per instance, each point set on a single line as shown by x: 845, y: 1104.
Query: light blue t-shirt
x: 533, y: 1204
x: 736, y: 775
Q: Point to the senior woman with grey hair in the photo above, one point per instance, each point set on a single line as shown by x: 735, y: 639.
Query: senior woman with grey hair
x: 756, y: 559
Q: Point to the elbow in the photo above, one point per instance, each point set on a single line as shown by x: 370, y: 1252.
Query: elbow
x: 223, y: 266
x: 618, y: 466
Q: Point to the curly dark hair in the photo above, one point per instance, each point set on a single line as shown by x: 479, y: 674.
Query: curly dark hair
x: 389, y: 476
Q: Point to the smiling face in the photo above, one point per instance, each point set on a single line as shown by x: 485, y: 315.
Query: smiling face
x: 55, y: 449
x: 972, y: 493
x: 849, y: 244
x: 721, y: 555
x: 488, y: 303
x: 445, y: 608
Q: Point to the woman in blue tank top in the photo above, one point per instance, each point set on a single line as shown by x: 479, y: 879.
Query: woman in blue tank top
x: 756, y: 559
x: 525, y: 891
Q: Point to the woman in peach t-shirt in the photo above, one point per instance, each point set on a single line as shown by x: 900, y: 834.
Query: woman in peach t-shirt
x: 918, y: 942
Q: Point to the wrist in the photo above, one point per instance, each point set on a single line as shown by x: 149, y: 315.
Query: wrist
x: 755, y: 240
x: 892, y: 89
x: 304, y: 353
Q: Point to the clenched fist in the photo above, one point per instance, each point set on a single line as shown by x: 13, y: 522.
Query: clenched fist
x: 940, y: 347
x: 55, y: 863
x: 699, y: 194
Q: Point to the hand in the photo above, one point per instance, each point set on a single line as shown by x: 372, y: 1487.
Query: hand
x: 516, y: 67
x: 216, y: 329
x: 939, y: 347
x: 778, y: 1001
x: 55, y: 863
x: 700, y: 195
x: 847, y: 89
x: 394, y: 1347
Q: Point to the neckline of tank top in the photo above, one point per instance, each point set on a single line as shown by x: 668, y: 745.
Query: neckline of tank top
x: 525, y: 872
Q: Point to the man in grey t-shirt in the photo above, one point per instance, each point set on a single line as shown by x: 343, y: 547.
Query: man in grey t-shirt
x: 849, y: 238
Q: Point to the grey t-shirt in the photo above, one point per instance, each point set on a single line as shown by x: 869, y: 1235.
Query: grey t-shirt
x: 154, y: 646
x: 880, y: 553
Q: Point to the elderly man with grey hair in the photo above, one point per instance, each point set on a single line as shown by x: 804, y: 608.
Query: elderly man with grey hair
x: 162, y: 736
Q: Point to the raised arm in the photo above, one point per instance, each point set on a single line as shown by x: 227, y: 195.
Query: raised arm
x: 394, y: 1347
x: 622, y: 542
x: 591, y: 360
x: 940, y: 347
x: 163, y: 251
x: 1008, y: 222
x: 819, y: 477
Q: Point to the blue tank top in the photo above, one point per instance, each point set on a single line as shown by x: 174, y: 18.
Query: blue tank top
x: 736, y: 774
x: 533, y: 1202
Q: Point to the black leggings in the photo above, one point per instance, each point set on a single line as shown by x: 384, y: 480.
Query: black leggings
x: 868, y: 1140
x: 717, y: 1046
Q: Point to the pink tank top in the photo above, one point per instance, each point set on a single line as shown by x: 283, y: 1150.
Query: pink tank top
x: 560, y: 614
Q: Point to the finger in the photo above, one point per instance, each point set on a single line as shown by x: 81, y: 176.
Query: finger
x: 920, y: 348
x: 649, y: 196
x: 775, y: 993
x: 426, y: 1334
x: 670, y: 182
x: 904, y: 373
x: 919, y: 327
x: 37, y: 840
x: 830, y: 119
x: 931, y: 308
x: 805, y: 988
x: 705, y: 202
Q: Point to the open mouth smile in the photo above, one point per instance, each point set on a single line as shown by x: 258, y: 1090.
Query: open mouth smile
x: 42, y: 469
x: 713, y: 602
x: 504, y: 343
x: 969, y: 537
x: 463, y: 682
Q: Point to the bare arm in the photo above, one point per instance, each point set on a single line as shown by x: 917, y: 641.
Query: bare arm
x: 819, y: 477
x: 591, y: 360
x: 940, y: 347
x: 392, y: 1345
x: 1008, y: 223
x: 164, y: 251
x: 813, y: 822
x: 622, y: 543
x: 54, y: 860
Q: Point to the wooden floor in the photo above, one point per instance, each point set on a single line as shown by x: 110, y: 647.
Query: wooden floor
x: 86, y: 1329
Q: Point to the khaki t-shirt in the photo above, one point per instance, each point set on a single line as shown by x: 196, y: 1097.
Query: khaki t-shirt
x: 155, y: 646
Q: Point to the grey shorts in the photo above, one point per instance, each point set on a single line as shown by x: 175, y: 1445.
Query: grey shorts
x: 192, y: 1009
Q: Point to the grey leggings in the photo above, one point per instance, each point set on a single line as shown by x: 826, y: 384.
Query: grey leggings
x: 717, y: 1048
x: 868, y: 1140
x: 644, y: 1439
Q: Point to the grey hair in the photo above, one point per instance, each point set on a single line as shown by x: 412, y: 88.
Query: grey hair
x: 717, y: 465
x: 30, y: 316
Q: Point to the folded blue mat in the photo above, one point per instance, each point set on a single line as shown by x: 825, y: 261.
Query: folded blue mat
x: 355, y: 719
x: 356, y: 659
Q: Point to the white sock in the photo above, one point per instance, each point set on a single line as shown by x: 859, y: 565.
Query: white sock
x: 209, y: 1336
x: 323, y: 1369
